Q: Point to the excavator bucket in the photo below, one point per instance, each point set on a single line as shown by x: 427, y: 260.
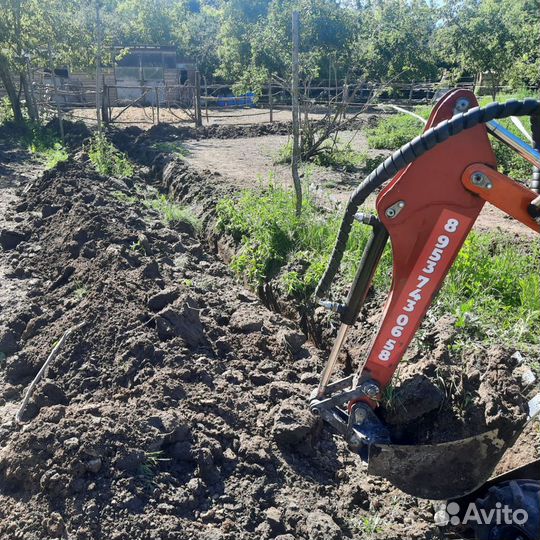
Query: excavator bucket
x: 447, y: 470
x: 438, y: 471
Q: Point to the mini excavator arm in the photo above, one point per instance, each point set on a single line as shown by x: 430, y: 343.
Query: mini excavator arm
x: 427, y: 211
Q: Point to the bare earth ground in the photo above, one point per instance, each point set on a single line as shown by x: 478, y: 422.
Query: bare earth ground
x: 142, y: 116
x: 248, y: 162
x: 178, y: 411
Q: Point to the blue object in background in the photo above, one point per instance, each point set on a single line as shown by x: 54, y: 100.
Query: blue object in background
x: 245, y: 100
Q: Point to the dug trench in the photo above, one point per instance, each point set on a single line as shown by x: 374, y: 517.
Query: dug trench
x: 177, y: 407
x: 435, y: 396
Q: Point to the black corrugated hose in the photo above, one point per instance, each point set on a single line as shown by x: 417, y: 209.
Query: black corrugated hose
x: 413, y: 150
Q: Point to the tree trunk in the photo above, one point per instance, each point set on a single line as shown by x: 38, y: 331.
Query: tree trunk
x: 29, y: 97
x: 7, y: 81
x: 296, y: 114
x: 493, y: 89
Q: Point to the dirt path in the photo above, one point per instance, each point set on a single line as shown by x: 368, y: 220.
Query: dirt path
x: 17, y: 169
x: 250, y: 162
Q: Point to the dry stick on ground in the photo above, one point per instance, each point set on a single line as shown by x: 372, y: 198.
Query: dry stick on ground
x: 41, y: 372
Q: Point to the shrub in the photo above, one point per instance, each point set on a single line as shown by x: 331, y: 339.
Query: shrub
x: 394, y: 131
x: 107, y: 159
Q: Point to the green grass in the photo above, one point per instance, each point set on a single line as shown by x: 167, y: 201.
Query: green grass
x: 271, y: 235
x: 337, y: 156
x: 53, y: 156
x: 393, y: 131
x: 107, y: 159
x: 171, y: 211
x: 341, y: 156
x: 493, y: 288
x: 171, y: 147
x: 45, y: 144
x: 370, y: 526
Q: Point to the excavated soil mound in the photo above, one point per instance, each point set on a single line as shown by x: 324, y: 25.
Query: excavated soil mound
x: 177, y: 409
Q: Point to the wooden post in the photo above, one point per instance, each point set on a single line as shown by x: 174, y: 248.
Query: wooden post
x: 206, y: 99
x: 58, y: 108
x: 329, y: 81
x: 198, y: 115
x: 146, y: 91
x: 335, y: 80
x: 296, y: 112
x: 105, y: 103
x: 156, y: 90
x: 411, y: 92
x: 270, y: 100
x: 98, y: 64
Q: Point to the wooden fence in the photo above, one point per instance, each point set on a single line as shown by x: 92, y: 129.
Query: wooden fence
x: 197, y: 102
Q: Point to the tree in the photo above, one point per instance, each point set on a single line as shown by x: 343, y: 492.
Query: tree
x: 26, y: 29
x: 395, y: 40
x: 196, y: 30
x: 478, y: 39
x: 522, y: 20
x: 255, y: 39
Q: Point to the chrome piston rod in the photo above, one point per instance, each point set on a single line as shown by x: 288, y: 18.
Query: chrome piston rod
x: 332, y: 359
x: 521, y: 147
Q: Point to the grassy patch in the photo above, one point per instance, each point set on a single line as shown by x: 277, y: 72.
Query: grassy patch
x: 493, y: 288
x: 53, y: 156
x: 341, y: 156
x: 337, y: 156
x: 510, y: 162
x: 44, y: 144
x: 171, y: 147
x: 107, y: 159
x: 393, y: 131
x: 271, y: 235
x: 171, y: 211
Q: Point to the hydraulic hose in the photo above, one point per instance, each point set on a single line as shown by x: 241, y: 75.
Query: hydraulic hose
x: 410, y: 152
